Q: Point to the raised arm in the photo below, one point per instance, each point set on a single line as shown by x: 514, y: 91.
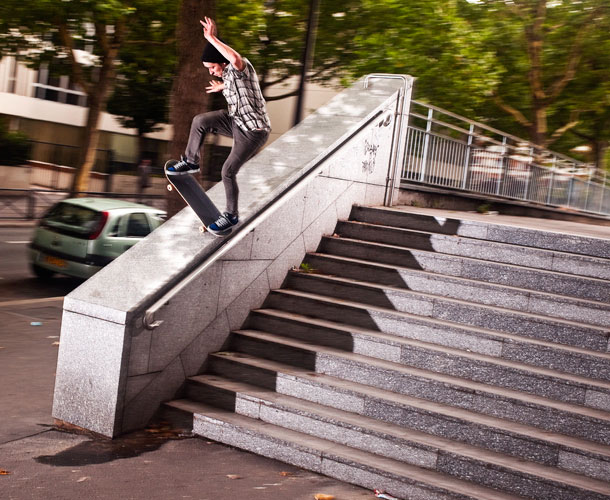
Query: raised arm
x: 210, y: 34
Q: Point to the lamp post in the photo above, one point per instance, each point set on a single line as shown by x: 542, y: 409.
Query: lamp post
x: 310, y: 41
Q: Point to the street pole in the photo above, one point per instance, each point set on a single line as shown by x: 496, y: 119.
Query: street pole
x: 310, y: 41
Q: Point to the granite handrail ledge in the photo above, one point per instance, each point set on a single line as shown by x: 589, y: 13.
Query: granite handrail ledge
x: 114, y: 373
x: 258, y: 214
x: 281, y: 164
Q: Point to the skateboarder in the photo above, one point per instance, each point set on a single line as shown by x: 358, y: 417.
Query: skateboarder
x: 245, y: 120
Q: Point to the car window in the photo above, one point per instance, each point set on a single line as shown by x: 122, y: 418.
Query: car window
x: 114, y: 230
x: 73, y: 220
x: 137, y: 225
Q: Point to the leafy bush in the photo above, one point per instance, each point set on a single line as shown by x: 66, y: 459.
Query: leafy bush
x: 14, y: 146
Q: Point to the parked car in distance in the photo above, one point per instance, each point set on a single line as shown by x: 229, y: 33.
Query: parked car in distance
x: 78, y: 236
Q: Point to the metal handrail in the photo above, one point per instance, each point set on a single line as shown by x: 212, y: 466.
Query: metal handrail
x: 396, y: 134
x: 148, y: 319
x: 488, y: 128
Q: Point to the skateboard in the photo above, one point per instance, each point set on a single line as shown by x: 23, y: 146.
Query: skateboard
x: 193, y: 194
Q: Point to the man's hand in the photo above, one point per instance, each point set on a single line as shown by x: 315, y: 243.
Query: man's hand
x: 215, y: 86
x: 209, y: 28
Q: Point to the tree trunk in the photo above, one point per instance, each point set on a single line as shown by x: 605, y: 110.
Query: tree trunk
x: 534, y: 36
x: 89, y: 147
x: 98, y: 93
x: 188, y: 91
x: 539, y: 130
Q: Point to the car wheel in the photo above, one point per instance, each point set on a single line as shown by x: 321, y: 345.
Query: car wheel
x: 42, y: 273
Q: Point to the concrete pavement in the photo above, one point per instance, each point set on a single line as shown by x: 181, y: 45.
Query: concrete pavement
x: 39, y: 462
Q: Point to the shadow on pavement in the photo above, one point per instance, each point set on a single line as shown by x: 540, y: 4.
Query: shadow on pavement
x: 100, y: 450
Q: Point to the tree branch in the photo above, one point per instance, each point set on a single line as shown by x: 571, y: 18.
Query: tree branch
x: 169, y: 41
x: 283, y: 96
x: 320, y: 71
x: 517, y: 115
x: 77, y: 71
x: 586, y: 137
x: 278, y: 80
x: 100, y: 33
x: 574, y: 121
x: 574, y: 57
x: 516, y: 9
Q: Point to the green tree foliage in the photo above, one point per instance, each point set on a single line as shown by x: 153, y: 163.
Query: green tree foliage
x: 52, y: 31
x: 15, y: 146
x: 147, y: 65
x: 431, y: 40
x: 272, y: 35
x: 540, y: 48
x: 586, y: 104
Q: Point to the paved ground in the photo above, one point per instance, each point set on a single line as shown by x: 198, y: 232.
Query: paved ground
x: 38, y: 462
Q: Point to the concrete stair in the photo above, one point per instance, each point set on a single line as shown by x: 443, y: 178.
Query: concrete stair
x: 432, y: 358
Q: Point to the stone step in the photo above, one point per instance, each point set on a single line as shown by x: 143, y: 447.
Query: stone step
x: 573, y: 309
x: 550, y: 260
x: 524, y: 441
x: 536, y: 352
x: 371, y: 304
x: 334, y: 460
x: 567, y: 418
x: 547, y: 382
x: 484, y: 230
x: 406, y: 445
x: 446, y: 333
x: 430, y: 357
x: 517, y: 276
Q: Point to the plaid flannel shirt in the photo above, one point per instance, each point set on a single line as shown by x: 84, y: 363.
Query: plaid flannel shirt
x: 244, y: 98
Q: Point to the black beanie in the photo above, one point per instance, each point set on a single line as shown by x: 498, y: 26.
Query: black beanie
x: 211, y: 55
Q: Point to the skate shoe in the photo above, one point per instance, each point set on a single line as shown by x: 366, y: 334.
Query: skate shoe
x: 223, y: 225
x: 182, y: 167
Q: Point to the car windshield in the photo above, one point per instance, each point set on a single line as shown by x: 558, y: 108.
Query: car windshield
x: 71, y: 219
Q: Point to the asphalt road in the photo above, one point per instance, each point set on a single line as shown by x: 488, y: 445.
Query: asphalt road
x: 17, y: 282
x: 30, y: 321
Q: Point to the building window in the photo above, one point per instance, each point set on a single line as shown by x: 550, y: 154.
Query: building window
x: 12, y: 75
x: 57, y: 88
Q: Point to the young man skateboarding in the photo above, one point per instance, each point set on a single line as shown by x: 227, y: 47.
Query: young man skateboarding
x: 245, y: 120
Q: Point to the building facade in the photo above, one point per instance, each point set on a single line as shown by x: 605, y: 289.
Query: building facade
x: 52, y: 112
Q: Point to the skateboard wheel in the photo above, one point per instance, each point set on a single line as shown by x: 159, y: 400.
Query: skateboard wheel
x: 202, y: 229
x: 169, y: 187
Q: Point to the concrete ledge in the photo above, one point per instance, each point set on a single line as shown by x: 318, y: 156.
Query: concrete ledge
x: 112, y: 372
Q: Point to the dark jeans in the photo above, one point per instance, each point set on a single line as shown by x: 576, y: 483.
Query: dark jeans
x: 245, y: 145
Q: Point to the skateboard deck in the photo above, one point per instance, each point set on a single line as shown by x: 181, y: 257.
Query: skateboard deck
x: 193, y: 194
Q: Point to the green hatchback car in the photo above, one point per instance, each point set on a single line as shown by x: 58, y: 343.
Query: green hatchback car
x: 78, y: 236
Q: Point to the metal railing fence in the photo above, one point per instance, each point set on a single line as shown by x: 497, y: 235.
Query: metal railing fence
x: 31, y: 204
x: 67, y: 155
x: 447, y: 150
